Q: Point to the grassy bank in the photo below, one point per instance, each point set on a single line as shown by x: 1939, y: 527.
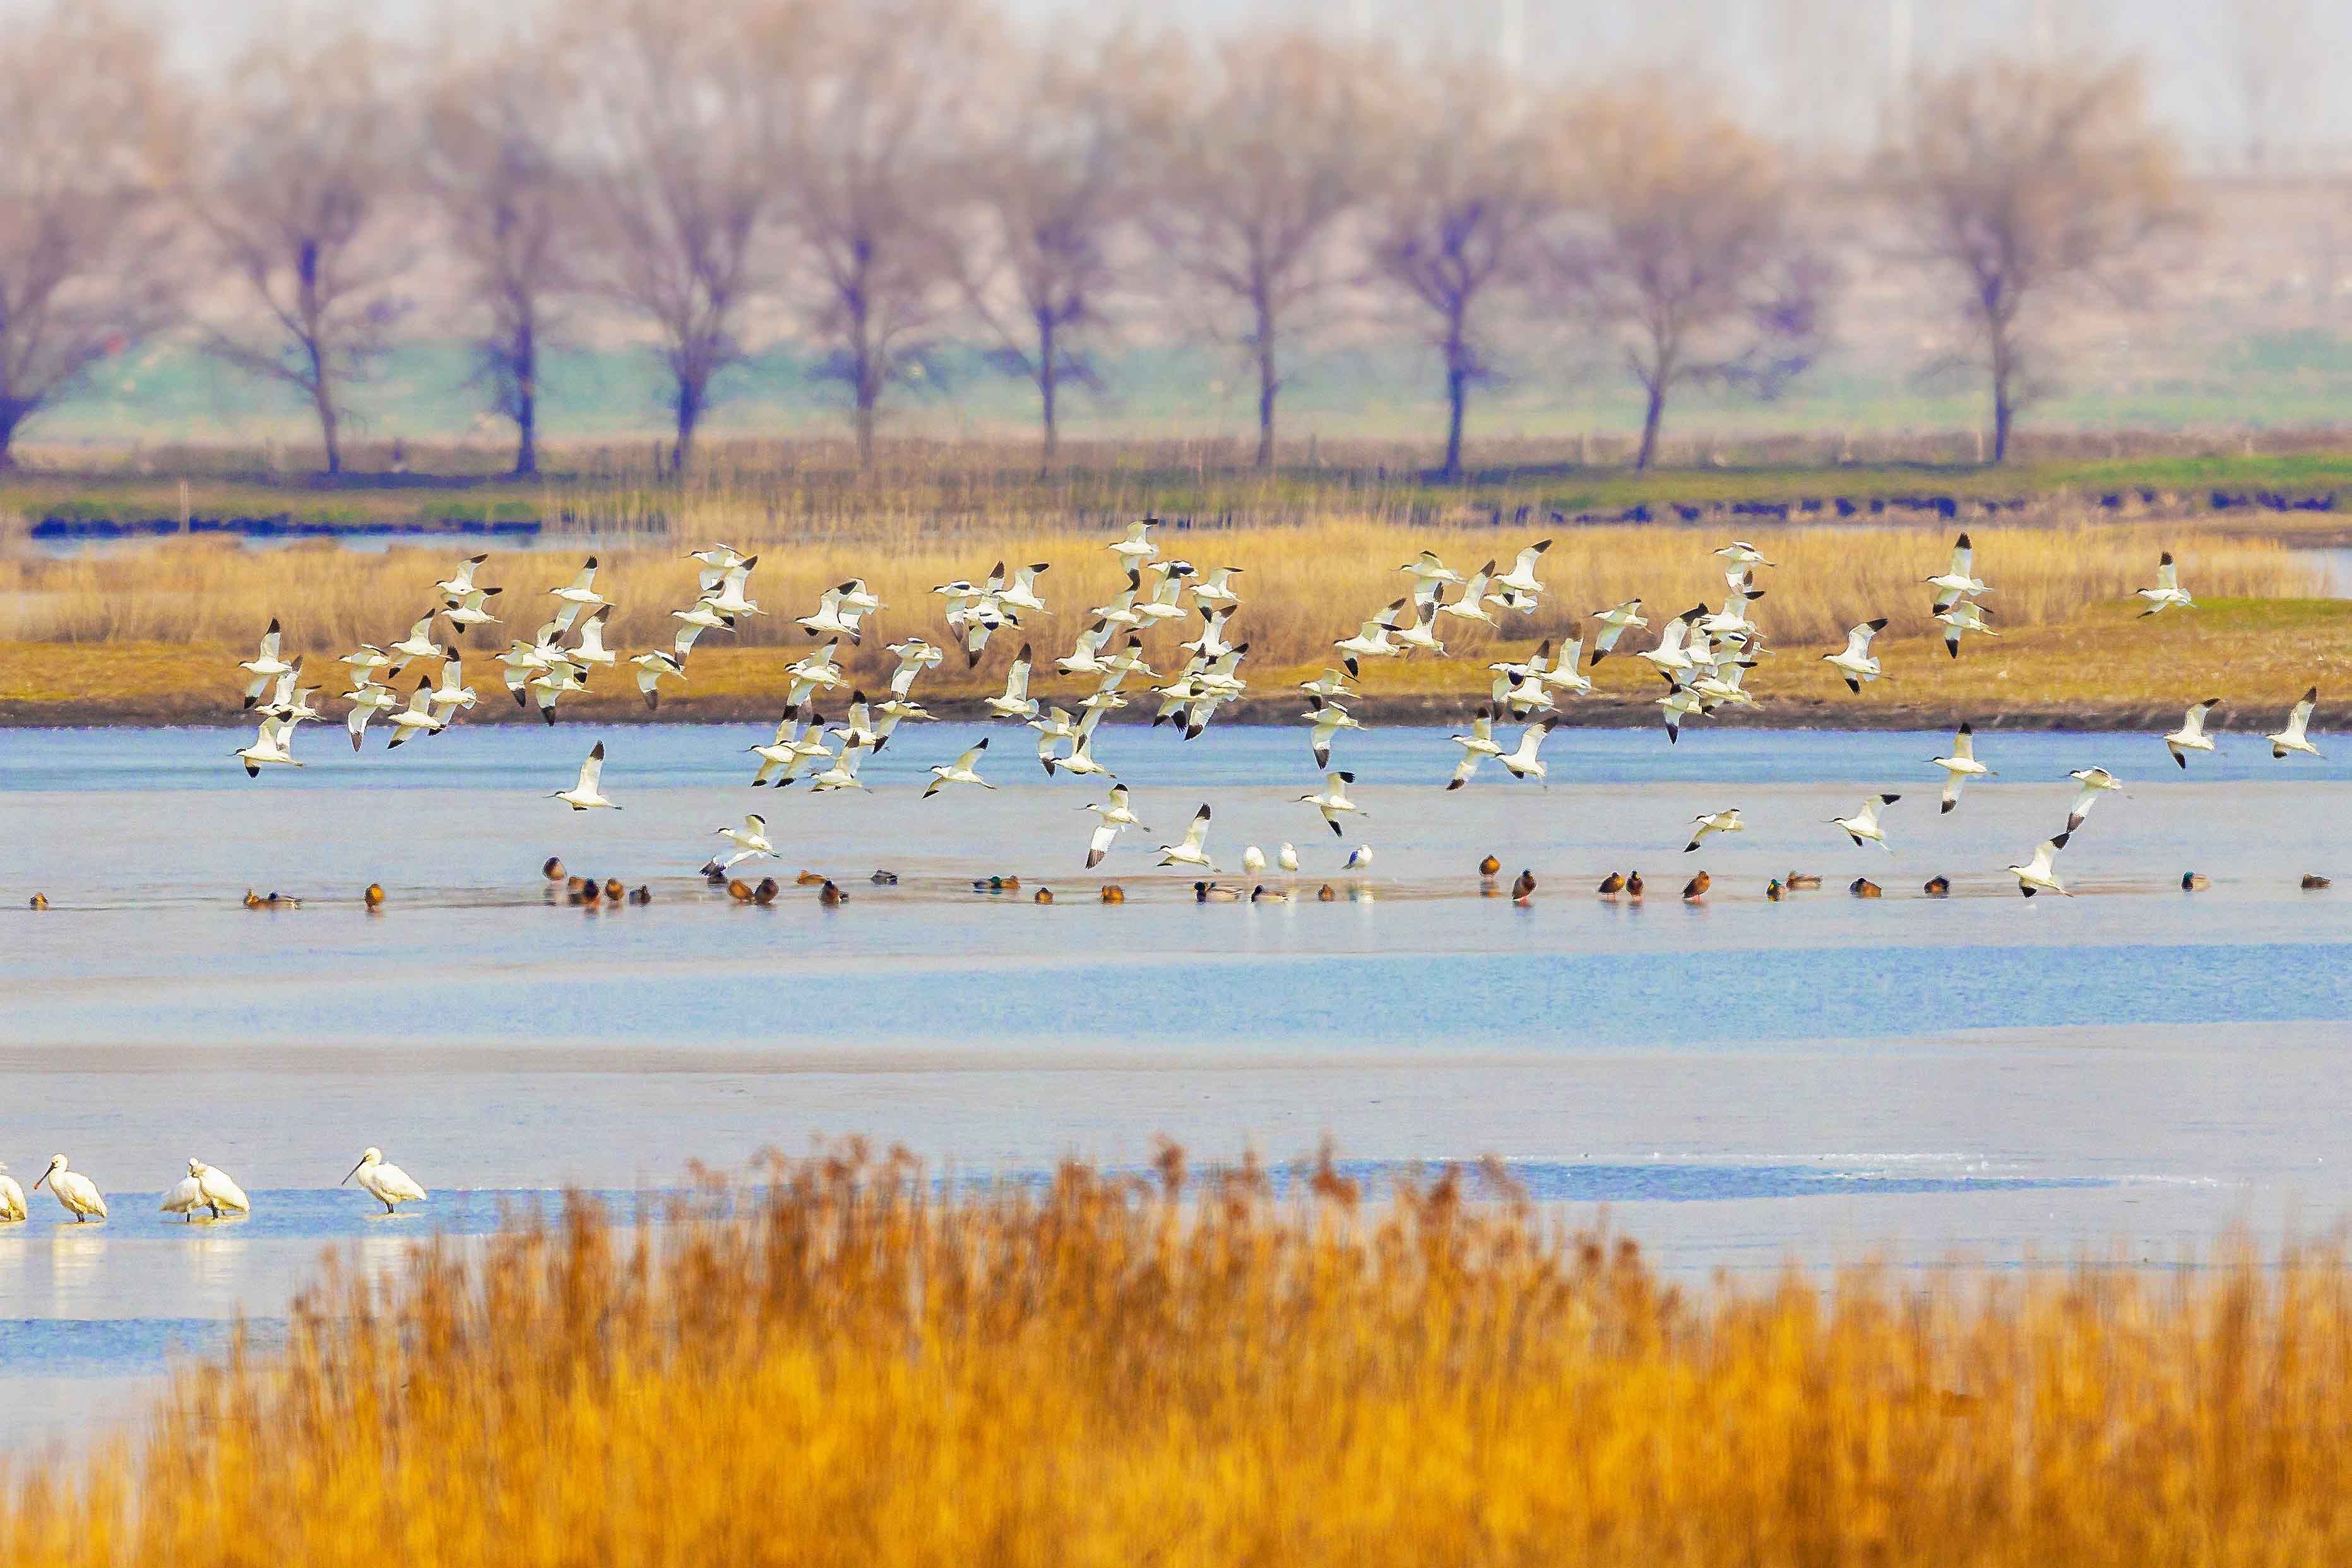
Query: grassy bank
x: 855, y: 1369
x: 156, y: 634
x: 809, y: 489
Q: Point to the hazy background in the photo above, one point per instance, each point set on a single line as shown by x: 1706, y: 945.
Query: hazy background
x: 2238, y: 327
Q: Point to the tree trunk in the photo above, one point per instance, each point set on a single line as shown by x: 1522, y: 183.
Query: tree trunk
x: 526, y: 409
x: 1049, y: 382
x: 2004, y: 410
x: 1651, y: 419
x: 11, y: 413
x: 689, y: 413
x: 1457, y: 393
x: 865, y: 402
x: 323, y: 397
x: 1267, y: 382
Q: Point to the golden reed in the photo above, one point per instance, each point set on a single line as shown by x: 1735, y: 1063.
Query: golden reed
x: 856, y: 1367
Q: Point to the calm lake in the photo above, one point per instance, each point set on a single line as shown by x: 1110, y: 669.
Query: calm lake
x: 2126, y: 1073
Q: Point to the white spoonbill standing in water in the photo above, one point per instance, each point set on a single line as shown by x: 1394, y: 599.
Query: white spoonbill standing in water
x: 205, y: 1187
x: 388, y: 1184
x: 12, y: 1199
x: 77, y: 1194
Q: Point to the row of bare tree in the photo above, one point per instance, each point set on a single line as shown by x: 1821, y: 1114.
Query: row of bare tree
x: 885, y: 177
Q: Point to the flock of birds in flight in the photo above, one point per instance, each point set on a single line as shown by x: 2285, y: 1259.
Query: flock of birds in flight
x: 1701, y: 655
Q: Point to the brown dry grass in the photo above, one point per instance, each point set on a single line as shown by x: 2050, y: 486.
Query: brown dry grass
x: 860, y: 1369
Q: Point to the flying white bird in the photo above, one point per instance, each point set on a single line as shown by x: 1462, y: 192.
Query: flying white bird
x: 1014, y: 702
x: 1960, y: 766
x: 715, y: 562
x: 272, y: 746
x: 1963, y: 617
x: 1193, y: 849
x: 470, y: 608
x: 843, y: 773
x: 1217, y: 588
x: 590, y: 652
x: 1114, y: 817
x: 652, y: 668
x: 388, y: 1184
x: 74, y: 1193
x: 2167, y: 595
x: 961, y: 771
x: 1371, y: 640
x: 581, y: 592
x: 751, y: 839
x: 417, y: 718
x: 585, y: 795
x: 1137, y: 548
x: 2191, y: 736
x: 1854, y: 661
x: 1714, y: 822
x: 460, y: 583
x: 365, y: 663
x: 1022, y: 594
x: 451, y: 693
x: 793, y: 748
x: 2291, y: 739
x: 1332, y: 800
x: 265, y: 666
x: 1328, y: 718
x: 1615, y: 622
x: 2094, y: 781
x: 2039, y: 874
x: 1428, y: 572
x: 1521, y: 759
x: 1476, y: 747
x: 418, y: 644
x: 727, y: 598
x: 1743, y: 556
x: 1959, y: 579
x: 1519, y: 589
x: 1864, y: 823
x: 205, y: 1187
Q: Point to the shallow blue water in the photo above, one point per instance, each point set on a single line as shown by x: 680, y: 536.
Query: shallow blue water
x: 1736, y: 1079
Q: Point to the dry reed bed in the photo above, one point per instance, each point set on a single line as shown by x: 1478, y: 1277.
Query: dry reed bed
x: 1301, y: 587
x: 856, y: 1369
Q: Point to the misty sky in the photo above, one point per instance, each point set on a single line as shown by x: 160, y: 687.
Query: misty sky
x: 1816, y: 66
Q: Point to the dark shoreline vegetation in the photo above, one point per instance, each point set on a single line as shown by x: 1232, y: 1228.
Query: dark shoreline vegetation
x: 855, y: 1365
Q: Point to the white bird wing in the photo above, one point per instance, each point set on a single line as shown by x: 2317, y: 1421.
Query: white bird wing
x: 2045, y: 858
x: 2299, y: 718
x: 2192, y: 725
x: 1198, y: 833
x: 963, y: 763
x: 1857, y: 640
x: 580, y: 584
x: 1962, y: 556
x: 2167, y: 575
x: 1964, y: 746
x: 591, y: 770
x: 1099, y: 843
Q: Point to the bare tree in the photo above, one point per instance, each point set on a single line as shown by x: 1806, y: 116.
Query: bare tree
x: 510, y: 206
x: 1455, y: 212
x: 300, y: 207
x: 88, y: 117
x: 1678, y: 250
x: 689, y: 127
x: 875, y: 190
x: 2020, y: 181
x: 1267, y: 154
x: 1056, y: 183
